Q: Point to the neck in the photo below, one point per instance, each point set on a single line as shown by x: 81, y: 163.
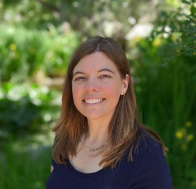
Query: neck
x: 98, y: 133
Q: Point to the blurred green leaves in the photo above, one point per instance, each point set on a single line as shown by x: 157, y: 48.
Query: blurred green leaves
x: 23, y: 52
x: 166, y: 97
x: 178, y: 29
x: 193, y: 10
x: 186, y: 2
x: 27, y: 108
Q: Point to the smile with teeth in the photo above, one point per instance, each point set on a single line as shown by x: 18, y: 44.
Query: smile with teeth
x: 94, y: 101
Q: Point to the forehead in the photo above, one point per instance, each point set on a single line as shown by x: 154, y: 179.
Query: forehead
x: 94, y: 62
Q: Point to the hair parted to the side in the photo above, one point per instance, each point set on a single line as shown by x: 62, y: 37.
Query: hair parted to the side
x: 123, y: 128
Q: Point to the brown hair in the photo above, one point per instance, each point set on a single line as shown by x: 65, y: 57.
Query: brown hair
x: 123, y: 128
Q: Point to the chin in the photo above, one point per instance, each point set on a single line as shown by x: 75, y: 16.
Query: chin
x: 94, y: 117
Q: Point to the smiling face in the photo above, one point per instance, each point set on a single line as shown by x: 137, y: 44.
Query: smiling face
x: 97, y: 86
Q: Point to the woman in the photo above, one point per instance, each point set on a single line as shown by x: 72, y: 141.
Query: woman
x: 100, y: 142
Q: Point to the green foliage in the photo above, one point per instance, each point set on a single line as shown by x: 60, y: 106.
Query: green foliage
x: 24, y: 166
x: 31, y: 14
x: 88, y: 18
x: 23, y: 52
x: 178, y: 29
x: 27, y: 109
x: 166, y: 96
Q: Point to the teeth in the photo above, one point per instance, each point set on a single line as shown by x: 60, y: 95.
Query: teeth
x: 93, y: 101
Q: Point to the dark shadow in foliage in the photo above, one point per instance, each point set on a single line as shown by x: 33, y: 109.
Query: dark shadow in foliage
x: 20, y: 117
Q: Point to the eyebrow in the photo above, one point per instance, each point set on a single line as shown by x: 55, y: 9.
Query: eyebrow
x: 101, y: 70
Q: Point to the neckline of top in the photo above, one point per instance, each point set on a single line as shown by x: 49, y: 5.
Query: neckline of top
x: 87, y: 175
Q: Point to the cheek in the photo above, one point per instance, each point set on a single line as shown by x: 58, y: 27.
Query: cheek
x: 112, y: 90
x: 76, y: 91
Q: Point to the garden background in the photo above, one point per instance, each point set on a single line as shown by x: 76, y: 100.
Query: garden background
x: 37, y: 38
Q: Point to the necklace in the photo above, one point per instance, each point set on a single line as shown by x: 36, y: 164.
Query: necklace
x: 94, y: 149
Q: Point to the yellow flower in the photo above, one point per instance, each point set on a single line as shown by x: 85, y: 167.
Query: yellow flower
x: 156, y: 42
x: 179, y: 134
x: 188, y: 124
x: 137, y: 39
x: 13, y: 47
x: 173, y: 38
x: 190, y: 137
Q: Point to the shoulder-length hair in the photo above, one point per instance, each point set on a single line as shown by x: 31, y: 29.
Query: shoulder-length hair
x: 124, y: 125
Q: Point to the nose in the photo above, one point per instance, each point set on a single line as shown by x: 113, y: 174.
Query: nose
x: 91, y: 85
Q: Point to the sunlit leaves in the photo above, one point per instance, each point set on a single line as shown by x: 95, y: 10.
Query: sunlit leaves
x: 186, y: 2
x: 193, y: 10
x: 182, y: 23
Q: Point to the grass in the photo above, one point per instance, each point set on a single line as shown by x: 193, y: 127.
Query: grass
x: 24, y: 164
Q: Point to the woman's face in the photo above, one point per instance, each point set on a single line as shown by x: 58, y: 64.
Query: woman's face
x: 97, y: 86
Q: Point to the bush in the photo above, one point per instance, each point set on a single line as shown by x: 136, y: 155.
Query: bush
x: 27, y: 108
x: 23, y: 52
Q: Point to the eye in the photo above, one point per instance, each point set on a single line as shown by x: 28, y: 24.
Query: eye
x: 79, y: 78
x: 105, y: 76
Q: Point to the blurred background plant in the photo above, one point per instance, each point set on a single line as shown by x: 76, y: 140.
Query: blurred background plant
x: 37, y: 39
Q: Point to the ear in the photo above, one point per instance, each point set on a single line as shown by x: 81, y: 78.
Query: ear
x: 125, y: 83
